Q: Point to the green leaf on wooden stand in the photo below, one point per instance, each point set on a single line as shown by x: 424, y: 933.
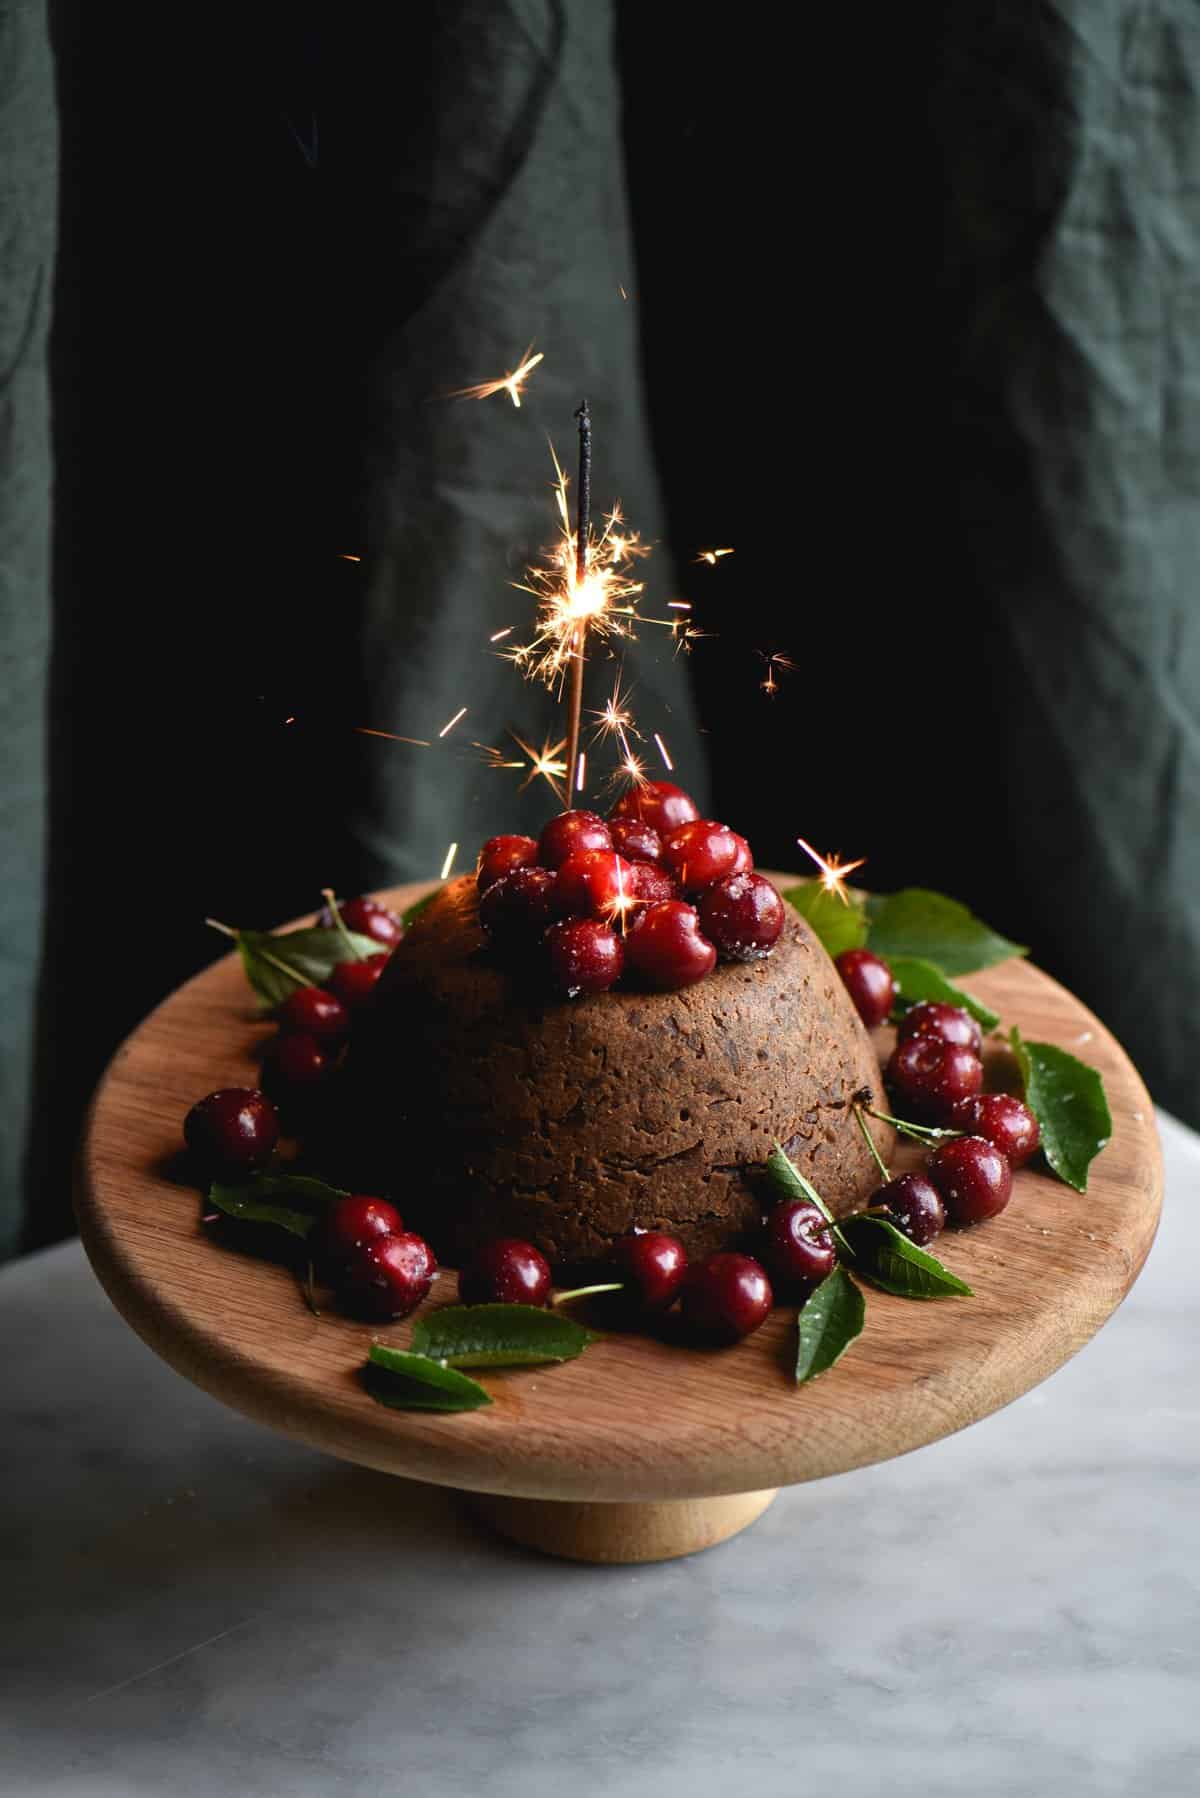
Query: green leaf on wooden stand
x: 890, y: 1261
x: 919, y: 980
x: 409, y: 1382
x: 255, y: 1202
x: 276, y: 965
x: 829, y: 1320
x: 839, y: 926
x: 928, y: 926
x: 1068, y: 1100
x: 498, y: 1336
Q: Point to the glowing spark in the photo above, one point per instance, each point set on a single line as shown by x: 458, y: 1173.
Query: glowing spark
x: 512, y: 384
x: 685, y: 635
x: 662, y: 750
x: 545, y: 764
x: 833, y: 871
x: 419, y: 742
x: 342, y: 556
x: 449, y: 861
x: 679, y: 605
x: 498, y: 636
x: 712, y: 556
x: 446, y: 728
x: 581, y: 767
x: 622, y: 292
x: 605, y: 599
x: 290, y: 720
x: 770, y: 685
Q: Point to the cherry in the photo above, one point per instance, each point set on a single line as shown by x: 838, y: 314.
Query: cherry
x: 638, y: 841
x: 652, y: 1266
x: 798, y: 1247
x: 914, y: 1206
x: 297, y: 1061
x: 585, y: 956
x: 743, y: 915
x: 310, y: 1011
x: 594, y: 883
x: 505, y: 1272
x: 700, y: 852
x: 365, y: 917
x: 666, y: 947
x: 658, y: 803
x: 388, y: 1276
x: 500, y: 855
x: 354, y: 981
x: 952, y: 1023
x: 726, y: 1297
x: 351, y: 1221
x: 973, y: 1177
x: 232, y: 1131
x: 1001, y: 1120
x: 744, y: 861
x: 649, y: 884
x: 929, y: 1076
x: 869, y: 982
x: 569, y: 833
x: 520, y: 906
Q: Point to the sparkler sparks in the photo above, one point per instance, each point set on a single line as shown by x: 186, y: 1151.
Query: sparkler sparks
x: 512, y: 384
x: 417, y: 742
x: 770, y: 684
x: 713, y: 556
x: 662, y: 750
x: 833, y: 871
x: 449, y: 861
x: 448, y: 727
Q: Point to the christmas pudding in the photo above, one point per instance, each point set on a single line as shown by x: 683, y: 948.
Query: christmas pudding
x: 607, y: 1032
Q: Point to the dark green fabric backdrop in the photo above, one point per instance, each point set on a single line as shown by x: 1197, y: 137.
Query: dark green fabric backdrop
x: 912, y: 322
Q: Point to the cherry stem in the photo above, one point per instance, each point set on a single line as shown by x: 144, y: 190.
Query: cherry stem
x: 331, y: 902
x: 585, y: 1292
x: 275, y: 961
x: 919, y: 1132
x: 308, y: 1289
x: 225, y: 929
x: 880, y: 1163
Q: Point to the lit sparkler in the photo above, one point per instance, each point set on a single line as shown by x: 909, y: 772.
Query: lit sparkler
x: 713, y: 556
x: 512, y: 384
x: 833, y: 872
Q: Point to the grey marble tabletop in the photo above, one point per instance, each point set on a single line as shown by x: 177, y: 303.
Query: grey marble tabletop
x: 194, y: 1607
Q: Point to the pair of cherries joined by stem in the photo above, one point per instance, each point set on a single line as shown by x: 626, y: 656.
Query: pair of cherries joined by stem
x: 654, y: 890
x: 315, y: 1021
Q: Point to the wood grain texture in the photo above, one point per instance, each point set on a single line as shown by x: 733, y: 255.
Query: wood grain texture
x: 634, y: 1419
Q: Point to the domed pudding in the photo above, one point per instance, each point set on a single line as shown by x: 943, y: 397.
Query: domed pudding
x: 487, y: 1106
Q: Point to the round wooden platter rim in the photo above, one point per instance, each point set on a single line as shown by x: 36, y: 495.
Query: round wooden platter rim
x: 633, y: 1419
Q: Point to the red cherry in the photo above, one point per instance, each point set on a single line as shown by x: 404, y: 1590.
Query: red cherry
x: 520, y: 907
x: 365, y: 917
x: 700, y: 852
x: 743, y: 915
x: 594, y: 883
x: 929, y: 1076
x: 798, y: 1247
x: 505, y: 1272
x: 973, y: 1177
x: 869, y: 982
x: 311, y: 1011
x: 652, y: 1266
x: 953, y: 1024
x: 232, y: 1131
x: 569, y: 833
x: 354, y: 1220
x: 666, y: 948
x: 726, y: 1297
x: 354, y: 981
x: 585, y: 956
x: 388, y: 1276
x: 1001, y: 1120
x: 914, y: 1205
x: 657, y: 803
x: 297, y: 1061
x: 637, y: 841
x: 744, y: 861
x: 651, y: 884
x: 500, y: 855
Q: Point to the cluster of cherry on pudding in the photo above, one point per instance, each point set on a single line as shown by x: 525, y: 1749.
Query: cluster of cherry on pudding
x: 654, y: 892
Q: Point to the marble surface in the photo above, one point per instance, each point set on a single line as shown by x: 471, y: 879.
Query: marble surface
x: 196, y: 1607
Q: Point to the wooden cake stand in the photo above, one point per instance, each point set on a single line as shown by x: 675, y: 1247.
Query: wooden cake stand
x: 639, y: 1450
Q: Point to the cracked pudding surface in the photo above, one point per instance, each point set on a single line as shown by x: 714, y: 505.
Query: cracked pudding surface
x: 487, y: 1108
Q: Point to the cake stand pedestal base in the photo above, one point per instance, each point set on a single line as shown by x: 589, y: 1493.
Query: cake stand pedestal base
x: 620, y: 1534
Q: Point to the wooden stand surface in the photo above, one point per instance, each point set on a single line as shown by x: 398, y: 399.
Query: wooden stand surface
x: 642, y: 1449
